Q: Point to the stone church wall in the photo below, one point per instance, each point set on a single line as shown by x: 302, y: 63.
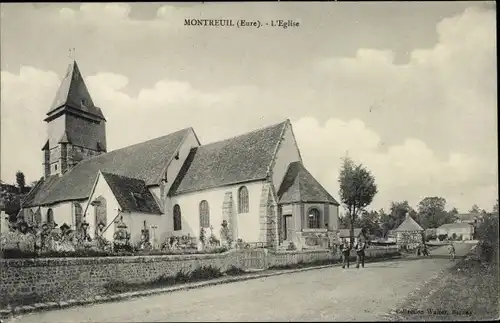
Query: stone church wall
x: 63, y: 279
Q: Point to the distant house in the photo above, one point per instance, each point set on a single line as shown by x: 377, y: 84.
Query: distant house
x: 346, y: 233
x: 391, y: 235
x: 409, y: 234
x: 470, y: 218
x: 463, y: 229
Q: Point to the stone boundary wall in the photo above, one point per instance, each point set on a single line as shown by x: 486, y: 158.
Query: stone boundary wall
x: 61, y: 279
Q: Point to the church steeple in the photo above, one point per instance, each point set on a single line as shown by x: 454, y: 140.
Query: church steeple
x: 73, y: 94
x: 76, y: 126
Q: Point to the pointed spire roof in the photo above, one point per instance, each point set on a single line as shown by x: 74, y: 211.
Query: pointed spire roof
x: 409, y: 224
x: 73, y: 93
x: 300, y: 186
x: 65, y: 138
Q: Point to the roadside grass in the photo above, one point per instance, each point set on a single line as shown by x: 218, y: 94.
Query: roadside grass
x: 469, y: 291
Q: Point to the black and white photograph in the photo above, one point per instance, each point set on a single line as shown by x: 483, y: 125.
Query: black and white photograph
x: 249, y: 161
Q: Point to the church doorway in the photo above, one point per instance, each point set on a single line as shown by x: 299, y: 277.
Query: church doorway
x: 287, y: 226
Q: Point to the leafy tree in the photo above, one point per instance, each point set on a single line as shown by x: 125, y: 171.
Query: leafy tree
x: 487, y: 233
x: 10, y: 203
x: 20, y: 180
x: 399, y: 211
x: 475, y: 209
x: 345, y: 223
x: 495, y: 207
x: 357, y: 190
x: 432, y: 213
x: 370, y: 222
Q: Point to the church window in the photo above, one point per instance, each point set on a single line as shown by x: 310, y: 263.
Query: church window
x: 313, y: 219
x: 243, y: 200
x: 177, y: 218
x: 78, y: 215
x: 38, y: 216
x: 100, y: 211
x: 55, y: 167
x: 50, y: 216
x: 204, y: 214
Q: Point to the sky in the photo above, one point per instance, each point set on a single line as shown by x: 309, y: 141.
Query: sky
x: 408, y: 89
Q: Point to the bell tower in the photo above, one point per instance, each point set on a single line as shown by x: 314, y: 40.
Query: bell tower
x: 76, y: 128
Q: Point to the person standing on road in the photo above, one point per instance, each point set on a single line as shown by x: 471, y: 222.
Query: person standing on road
x: 452, y: 251
x: 360, y: 253
x: 345, y: 248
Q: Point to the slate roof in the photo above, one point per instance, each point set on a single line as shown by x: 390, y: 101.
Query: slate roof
x: 409, y: 224
x: 468, y: 216
x: 243, y: 158
x: 74, y: 93
x: 300, y: 186
x: 40, y: 191
x: 146, y: 161
x: 346, y: 233
x: 456, y: 226
x: 132, y: 194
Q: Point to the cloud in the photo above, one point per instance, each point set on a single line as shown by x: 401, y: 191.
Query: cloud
x: 426, y: 127
x: 450, y: 147
x: 163, y: 108
x: 408, y: 171
x: 25, y: 98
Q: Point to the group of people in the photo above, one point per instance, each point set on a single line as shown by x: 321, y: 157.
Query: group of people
x: 346, y: 248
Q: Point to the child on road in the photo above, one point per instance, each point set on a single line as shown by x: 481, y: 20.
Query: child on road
x: 452, y: 251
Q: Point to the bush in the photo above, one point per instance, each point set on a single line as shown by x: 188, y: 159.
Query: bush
x: 442, y: 237
x: 21, y: 254
x: 201, y: 273
x: 487, y: 233
x: 234, y: 271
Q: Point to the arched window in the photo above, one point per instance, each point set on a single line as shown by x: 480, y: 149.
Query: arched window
x: 101, y: 216
x: 177, y: 218
x: 38, y: 216
x: 204, y: 215
x: 78, y: 215
x: 50, y: 216
x: 313, y: 219
x: 243, y: 200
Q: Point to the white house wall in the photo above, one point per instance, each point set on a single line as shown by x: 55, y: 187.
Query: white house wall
x: 287, y: 153
x: 102, y: 189
x: 62, y: 213
x: 160, y: 192
x: 248, y: 224
x: 135, y: 223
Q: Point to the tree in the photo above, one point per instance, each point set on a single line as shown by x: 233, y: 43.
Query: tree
x: 432, y: 212
x: 370, y: 222
x: 495, y: 207
x: 399, y: 211
x: 475, y: 209
x: 357, y: 190
x: 20, y: 180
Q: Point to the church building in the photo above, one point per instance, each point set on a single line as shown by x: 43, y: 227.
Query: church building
x: 174, y: 184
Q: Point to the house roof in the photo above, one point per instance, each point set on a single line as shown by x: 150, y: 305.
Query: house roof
x: 146, y: 161
x: 456, y: 226
x: 131, y: 194
x: 468, y: 216
x: 409, y: 224
x: 346, y: 233
x: 300, y: 186
x: 73, y: 93
x: 40, y: 191
x: 243, y: 158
